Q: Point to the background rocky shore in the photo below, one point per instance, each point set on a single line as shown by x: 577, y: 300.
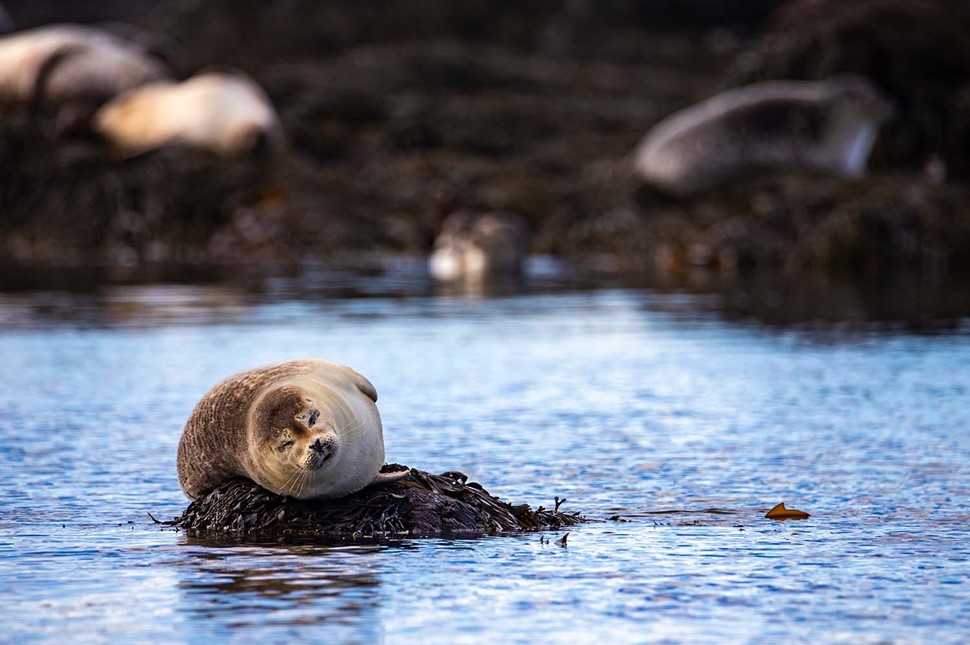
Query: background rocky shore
x: 398, y: 113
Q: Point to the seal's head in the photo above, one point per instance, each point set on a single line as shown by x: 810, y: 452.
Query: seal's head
x: 297, y: 445
x: 478, y: 247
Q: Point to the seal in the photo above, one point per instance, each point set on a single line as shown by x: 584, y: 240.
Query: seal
x: 61, y: 63
x: 475, y: 247
x: 226, y: 113
x: 828, y: 126
x: 304, y: 428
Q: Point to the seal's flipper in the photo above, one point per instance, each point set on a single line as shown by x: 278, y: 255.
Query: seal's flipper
x: 388, y: 478
x: 361, y: 382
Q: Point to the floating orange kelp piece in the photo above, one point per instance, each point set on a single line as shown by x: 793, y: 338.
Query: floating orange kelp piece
x: 781, y: 513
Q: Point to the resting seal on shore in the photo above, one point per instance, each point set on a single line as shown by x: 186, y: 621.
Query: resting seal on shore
x: 304, y: 428
x: 62, y: 63
x: 225, y: 113
x: 828, y: 126
x: 492, y: 245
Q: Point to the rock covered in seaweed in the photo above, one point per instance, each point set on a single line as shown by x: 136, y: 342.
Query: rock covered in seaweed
x: 423, y: 505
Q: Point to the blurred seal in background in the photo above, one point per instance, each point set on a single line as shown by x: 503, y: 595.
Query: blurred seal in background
x: 828, y: 126
x: 61, y: 64
x: 480, y: 247
x: 226, y: 113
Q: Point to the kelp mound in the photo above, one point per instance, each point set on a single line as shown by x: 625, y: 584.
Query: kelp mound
x: 422, y: 505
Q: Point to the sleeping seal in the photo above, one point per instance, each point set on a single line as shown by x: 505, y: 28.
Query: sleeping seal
x: 493, y: 245
x: 224, y: 113
x: 57, y: 64
x: 304, y: 428
x: 828, y: 126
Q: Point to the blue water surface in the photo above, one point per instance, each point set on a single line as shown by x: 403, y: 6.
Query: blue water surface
x: 636, y: 404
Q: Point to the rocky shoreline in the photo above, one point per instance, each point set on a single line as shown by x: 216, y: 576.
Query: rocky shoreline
x: 387, y: 135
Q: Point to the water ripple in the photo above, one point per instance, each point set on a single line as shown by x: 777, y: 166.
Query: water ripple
x: 683, y: 427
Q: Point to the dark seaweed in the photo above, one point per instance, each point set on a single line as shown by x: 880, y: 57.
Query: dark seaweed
x: 422, y: 505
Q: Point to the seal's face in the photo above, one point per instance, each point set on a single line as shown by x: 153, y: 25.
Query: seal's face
x: 305, y: 441
x: 294, y: 440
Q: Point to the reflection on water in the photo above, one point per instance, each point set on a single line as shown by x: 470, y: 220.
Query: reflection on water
x: 164, y: 295
x: 670, y: 407
x: 305, y: 585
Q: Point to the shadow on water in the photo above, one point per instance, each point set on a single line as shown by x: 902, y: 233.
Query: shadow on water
x: 153, y: 295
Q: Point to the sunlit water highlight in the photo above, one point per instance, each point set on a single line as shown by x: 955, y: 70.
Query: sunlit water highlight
x: 628, y: 402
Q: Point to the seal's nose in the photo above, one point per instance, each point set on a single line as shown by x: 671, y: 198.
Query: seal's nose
x: 317, y: 446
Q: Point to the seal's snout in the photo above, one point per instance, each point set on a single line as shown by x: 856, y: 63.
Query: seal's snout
x: 320, y: 451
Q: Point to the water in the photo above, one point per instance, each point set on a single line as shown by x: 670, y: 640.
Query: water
x: 640, y: 403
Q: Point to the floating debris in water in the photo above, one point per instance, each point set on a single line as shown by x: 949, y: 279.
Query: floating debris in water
x: 781, y: 513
